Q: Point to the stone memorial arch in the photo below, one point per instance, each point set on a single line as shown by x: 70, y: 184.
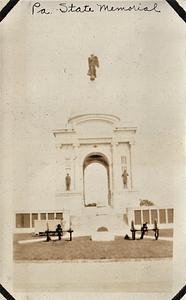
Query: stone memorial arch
x: 94, y: 156
x: 87, y: 140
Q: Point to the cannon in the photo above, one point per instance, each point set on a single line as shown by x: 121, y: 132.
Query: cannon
x: 59, y: 232
x: 144, y: 229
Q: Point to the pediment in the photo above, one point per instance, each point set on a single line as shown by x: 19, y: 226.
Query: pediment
x: 94, y: 126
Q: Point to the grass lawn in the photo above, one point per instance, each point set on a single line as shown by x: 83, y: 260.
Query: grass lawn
x: 163, y: 233
x: 84, y: 248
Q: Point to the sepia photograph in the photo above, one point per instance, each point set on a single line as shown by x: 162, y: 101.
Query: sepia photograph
x: 93, y: 149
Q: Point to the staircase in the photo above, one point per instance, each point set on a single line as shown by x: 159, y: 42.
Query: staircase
x: 92, y: 218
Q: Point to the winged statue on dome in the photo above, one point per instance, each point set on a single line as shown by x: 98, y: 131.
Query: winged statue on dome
x: 92, y: 64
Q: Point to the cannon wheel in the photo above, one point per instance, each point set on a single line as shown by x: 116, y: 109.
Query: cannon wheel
x: 156, y: 233
x: 133, y: 235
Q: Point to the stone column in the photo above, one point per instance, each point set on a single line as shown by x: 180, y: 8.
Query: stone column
x: 111, y: 175
x: 76, y: 167
x: 59, y: 166
x: 114, y: 172
x: 131, y: 149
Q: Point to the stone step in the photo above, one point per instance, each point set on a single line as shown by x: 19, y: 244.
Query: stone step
x: 103, y: 236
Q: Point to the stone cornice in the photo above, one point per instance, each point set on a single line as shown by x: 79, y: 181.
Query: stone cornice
x: 63, y: 131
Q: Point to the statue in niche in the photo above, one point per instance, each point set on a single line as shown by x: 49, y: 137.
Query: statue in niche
x: 92, y: 63
x: 68, y: 182
x: 125, y: 178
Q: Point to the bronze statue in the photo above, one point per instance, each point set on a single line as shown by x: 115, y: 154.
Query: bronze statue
x: 68, y: 182
x: 125, y: 179
x: 92, y: 63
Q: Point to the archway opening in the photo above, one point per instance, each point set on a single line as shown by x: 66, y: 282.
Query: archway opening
x: 96, y: 180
